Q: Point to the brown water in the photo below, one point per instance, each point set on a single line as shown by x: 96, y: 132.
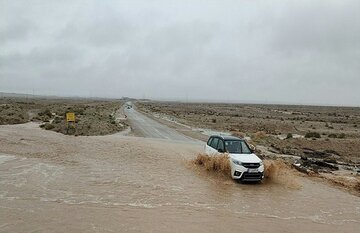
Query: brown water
x: 54, y: 183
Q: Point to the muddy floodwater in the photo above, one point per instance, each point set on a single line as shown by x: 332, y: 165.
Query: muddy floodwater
x: 55, y: 183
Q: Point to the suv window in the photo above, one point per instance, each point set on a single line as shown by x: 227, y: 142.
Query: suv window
x: 209, y: 141
x: 237, y: 147
x: 221, y: 145
x: 214, y: 143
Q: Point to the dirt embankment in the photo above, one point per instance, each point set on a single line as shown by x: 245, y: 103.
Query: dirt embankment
x: 93, y: 117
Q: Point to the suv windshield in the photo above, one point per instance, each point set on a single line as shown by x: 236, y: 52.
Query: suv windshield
x: 237, y: 147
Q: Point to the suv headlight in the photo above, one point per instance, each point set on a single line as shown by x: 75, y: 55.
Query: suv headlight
x: 261, y: 163
x: 236, y: 162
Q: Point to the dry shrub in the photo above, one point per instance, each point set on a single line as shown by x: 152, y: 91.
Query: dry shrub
x: 312, y: 135
x: 218, y: 164
x: 357, y: 187
x: 259, y: 136
x: 238, y: 134
x: 279, y: 172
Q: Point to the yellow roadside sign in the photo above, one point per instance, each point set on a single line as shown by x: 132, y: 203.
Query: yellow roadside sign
x: 70, y: 117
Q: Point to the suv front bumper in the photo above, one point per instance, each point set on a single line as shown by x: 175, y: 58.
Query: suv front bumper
x: 244, y: 174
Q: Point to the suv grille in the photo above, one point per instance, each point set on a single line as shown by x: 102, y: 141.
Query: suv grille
x: 251, y: 176
x: 251, y: 165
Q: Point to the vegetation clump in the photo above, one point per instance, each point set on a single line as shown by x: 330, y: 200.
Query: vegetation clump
x: 333, y: 135
x: 45, y: 112
x: 49, y: 126
x: 312, y: 135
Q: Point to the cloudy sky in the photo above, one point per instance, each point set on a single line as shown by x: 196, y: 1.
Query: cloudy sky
x: 243, y: 50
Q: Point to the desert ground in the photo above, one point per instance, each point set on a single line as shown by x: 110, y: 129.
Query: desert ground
x: 93, y: 116
x: 146, y: 177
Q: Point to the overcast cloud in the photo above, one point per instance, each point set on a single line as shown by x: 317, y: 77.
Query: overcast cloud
x: 266, y: 51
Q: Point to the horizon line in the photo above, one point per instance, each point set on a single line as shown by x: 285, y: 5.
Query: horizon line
x: 164, y: 99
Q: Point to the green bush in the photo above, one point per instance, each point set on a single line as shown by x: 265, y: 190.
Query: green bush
x: 49, y: 126
x: 342, y: 135
x: 79, y: 111
x: 46, y: 112
x: 57, y: 120
x: 289, y: 135
x: 312, y: 135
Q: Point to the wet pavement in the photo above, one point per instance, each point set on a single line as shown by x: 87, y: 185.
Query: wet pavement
x: 146, y: 127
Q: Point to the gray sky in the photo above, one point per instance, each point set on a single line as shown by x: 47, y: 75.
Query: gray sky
x: 250, y: 50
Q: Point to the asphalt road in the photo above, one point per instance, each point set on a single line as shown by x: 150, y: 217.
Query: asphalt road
x: 149, y: 128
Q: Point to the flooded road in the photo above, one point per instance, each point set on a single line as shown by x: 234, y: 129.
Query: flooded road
x: 56, y: 183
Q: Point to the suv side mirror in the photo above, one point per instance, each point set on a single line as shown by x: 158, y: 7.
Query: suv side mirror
x: 221, y: 150
x: 252, y: 148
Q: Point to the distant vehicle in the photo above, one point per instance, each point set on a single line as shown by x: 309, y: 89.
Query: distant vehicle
x: 245, y: 165
x: 129, y: 107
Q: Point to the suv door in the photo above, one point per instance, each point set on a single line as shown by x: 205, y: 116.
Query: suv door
x: 213, y: 146
x: 208, y: 150
x: 221, y: 146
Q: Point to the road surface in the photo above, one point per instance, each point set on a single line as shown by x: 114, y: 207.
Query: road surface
x: 149, y: 128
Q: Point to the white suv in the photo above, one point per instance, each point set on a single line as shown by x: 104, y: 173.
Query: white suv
x: 245, y: 165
